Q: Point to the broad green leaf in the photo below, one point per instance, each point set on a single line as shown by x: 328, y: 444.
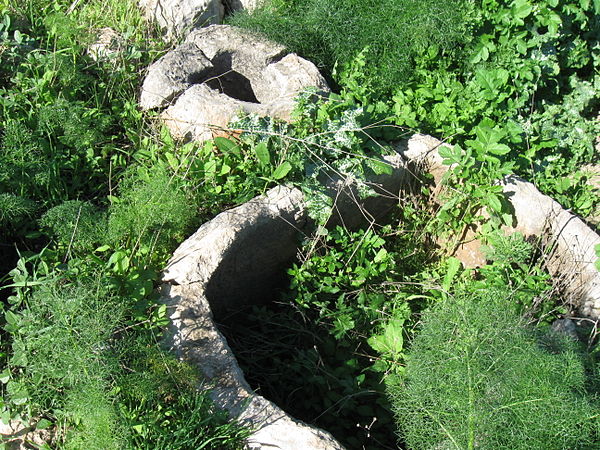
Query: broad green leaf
x: 262, y: 153
x: 227, y: 146
x: 11, y: 318
x: 392, y: 340
x: 486, y: 79
x: 17, y: 392
x: 498, y: 149
x: 379, y: 167
x: 454, y: 265
x: 172, y: 160
x: 43, y: 424
x: 451, y: 155
x: 381, y: 255
x: 282, y: 170
x: 225, y: 169
x: 210, y: 167
x: 494, y: 203
x: 481, y: 54
x: 5, y: 376
x: 521, y: 9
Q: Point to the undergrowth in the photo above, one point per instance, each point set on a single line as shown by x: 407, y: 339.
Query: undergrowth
x: 477, y: 377
x: 336, y: 31
x: 95, y: 197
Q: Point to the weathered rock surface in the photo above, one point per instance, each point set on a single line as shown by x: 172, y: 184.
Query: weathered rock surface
x: 108, y: 45
x: 571, y: 241
x: 177, y: 17
x: 172, y: 74
x: 220, y: 71
x: 18, y: 436
x: 571, y: 261
x: 237, y: 259
x: 239, y: 5
x: 201, y: 112
x: 229, y: 259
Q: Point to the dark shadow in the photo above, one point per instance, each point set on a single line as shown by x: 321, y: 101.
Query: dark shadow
x: 227, y: 81
x: 254, y: 268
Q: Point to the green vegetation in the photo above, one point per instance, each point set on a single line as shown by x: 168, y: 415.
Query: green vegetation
x: 393, y: 32
x: 93, y: 208
x: 380, y: 332
x: 476, y: 377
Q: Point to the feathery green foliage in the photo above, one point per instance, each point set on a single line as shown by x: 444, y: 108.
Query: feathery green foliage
x: 336, y: 31
x: 152, y: 209
x: 76, y: 225
x: 476, y: 377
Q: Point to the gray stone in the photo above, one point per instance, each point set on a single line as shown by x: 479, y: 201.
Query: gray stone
x: 239, y: 258
x: 177, y: 17
x: 108, y: 45
x: 16, y: 435
x: 572, y: 256
x: 228, y: 260
x: 572, y: 242
x: 242, y: 5
x: 221, y: 71
x: 232, y: 48
x: 172, y: 74
x: 566, y: 327
x: 202, y: 113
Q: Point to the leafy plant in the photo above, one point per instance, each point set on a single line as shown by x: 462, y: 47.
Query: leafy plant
x: 477, y: 378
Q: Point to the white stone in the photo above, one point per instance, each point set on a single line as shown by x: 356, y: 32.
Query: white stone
x: 178, y: 17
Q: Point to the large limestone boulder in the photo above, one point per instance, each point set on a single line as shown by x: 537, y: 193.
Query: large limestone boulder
x: 172, y: 74
x: 239, y: 258
x: 177, y: 17
x: 228, y: 260
x: 221, y: 71
x: 201, y: 113
x: 569, y: 240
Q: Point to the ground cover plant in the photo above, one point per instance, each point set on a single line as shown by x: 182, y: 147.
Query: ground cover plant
x: 92, y: 203
x: 476, y: 377
x: 94, y: 195
x: 391, y: 32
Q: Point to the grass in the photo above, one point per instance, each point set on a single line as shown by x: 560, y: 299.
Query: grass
x: 335, y: 32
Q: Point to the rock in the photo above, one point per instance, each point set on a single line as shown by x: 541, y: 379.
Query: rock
x: 177, y: 17
x: 221, y: 71
x: 201, y: 113
x: 18, y: 436
x: 566, y: 327
x: 108, y: 45
x: 172, y: 74
x: 234, y: 49
x: 237, y: 259
x: 231, y: 259
x: 241, y: 5
x: 570, y: 241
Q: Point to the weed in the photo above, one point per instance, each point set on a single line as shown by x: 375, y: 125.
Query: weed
x: 336, y: 31
x: 477, y: 378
